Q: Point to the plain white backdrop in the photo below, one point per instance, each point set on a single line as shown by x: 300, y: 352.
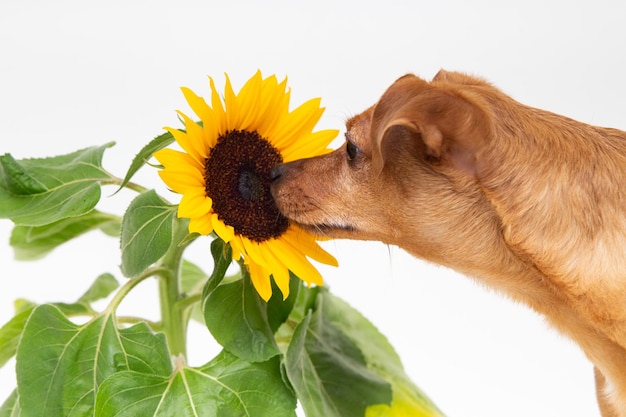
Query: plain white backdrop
x: 83, y: 73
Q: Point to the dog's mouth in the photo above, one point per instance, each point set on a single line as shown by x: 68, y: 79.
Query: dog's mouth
x: 325, y: 229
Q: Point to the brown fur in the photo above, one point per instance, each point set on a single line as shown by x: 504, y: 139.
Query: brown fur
x: 456, y: 172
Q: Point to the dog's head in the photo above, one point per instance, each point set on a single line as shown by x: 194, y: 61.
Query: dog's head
x: 407, y: 169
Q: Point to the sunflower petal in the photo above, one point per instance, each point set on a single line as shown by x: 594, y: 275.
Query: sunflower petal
x: 237, y: 247
x: 197, y: 104
x: 172, y: 158
x: 299, y: 123
x: 230, y: 105
x: 194, y: 205
x: 223, y: 230
x: 280, y: 273
x: 194, y: 130
x: 261, y: 280
x: 201, y: 225
x: 274, y: 106
x: 206, y: 115
x: 249, y: 102
x: 181, y: 181
x: 315, y: 144
x: 218, y: 108
x: 185, y: 142
x: 297, y: 262
x: 298, y: 238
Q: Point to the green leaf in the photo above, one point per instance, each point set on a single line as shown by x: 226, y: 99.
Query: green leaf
x: 226, y: 386
x: 18, y: 179
x: 222, y: 258
x: 101, y: 288
x: 278, y: 310
x: 193, y: 278
x: 60, y: 364
x: 237, y: 318
x: 145, y: 154
x: 11, y: 332
x: 11, y: 406
x: 146, y: 232
x: 408, y: 399
x: 10, y: 335
x: 36, y: 192
x: 34, y: 242
x: 146, y: 351
x: 328, y: 371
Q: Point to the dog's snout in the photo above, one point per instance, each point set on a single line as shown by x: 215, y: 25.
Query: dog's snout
x: 287, y: 169
x: 277, y: 172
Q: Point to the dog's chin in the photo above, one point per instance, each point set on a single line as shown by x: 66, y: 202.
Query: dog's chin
x: 327, y: 230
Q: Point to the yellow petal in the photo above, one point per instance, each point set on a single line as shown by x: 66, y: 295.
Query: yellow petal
x: 196, y: 138
x: 194, y: 204
x: 280, y: 273
x: 230, y: 105
x: 237, y: 247
x: 201, y: 225
x: 298, y: 238
x: 223, y: 230
x: 315, y: 144
x: 218, y: 109
x: 197, y: 104
x: 172, y: 158
x: 181, y: 181
x: 277, y: 108
x: 206, y: 115
x: 296, y: 262
x: 299, y: 123
x: 249, y: 101
x: 261, y: 280
x: 186, y: 143
x: 251, y: 249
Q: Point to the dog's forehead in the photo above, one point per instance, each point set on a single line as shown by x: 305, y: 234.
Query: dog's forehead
x: 358, y: 127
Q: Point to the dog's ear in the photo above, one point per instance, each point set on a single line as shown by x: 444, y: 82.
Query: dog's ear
x: 436, y: 124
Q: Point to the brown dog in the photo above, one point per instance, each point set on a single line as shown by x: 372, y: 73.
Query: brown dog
x: 456, y: 172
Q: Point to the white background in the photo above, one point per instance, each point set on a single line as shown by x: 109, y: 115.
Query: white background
x: 83, y: 73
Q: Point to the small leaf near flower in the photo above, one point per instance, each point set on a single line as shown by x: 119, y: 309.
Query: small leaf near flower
x: 146, y: 232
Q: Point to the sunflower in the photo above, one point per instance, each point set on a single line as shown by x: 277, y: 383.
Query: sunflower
x: 223, y: 176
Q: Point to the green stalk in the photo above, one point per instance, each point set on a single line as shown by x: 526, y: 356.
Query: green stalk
x: 173, y: 320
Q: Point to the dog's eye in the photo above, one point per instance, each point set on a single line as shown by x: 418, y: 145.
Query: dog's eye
x: 351, y: 150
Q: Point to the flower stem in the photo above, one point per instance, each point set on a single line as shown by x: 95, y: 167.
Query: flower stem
x: 173, y: 320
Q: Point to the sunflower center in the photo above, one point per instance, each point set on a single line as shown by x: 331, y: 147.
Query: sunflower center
x: 237, y: 177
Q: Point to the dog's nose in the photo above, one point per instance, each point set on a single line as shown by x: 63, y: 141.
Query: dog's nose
x: 277, y: 172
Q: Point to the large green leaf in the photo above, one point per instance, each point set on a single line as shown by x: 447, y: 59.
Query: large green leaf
x: 408, y: 399
x: 145, y: 154
x: 226, y: 386
x: 146, y: 232
x: 36, y: 192
x: 34, y: 242
x: 328, y: 371
x: 237, y: 318
x: 11, y: 332
x: 60, y: 364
